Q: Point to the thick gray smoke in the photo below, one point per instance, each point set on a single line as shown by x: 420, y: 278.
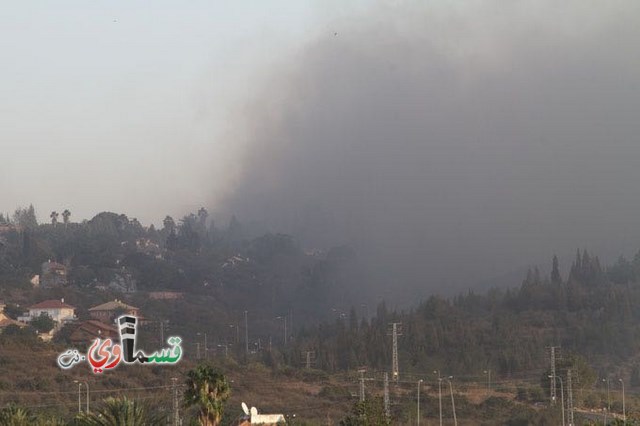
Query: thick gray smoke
x: 449, y: 146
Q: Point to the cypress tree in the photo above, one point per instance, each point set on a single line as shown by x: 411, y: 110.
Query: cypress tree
x: 555, y: 271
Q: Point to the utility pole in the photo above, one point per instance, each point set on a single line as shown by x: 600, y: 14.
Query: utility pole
x: 439, y: 395
x: 246, y: 334
x: 361, y: 384
x: 570, y: 398
x: 291, y: 321
x: 387, y: 412
x: 174, y: 390
x: 488, y: 373
x: 624, y: 408
x: 396, y: 331
x: 226, y: 349
x: 198, y: 350
x: 284, y: 319
x: 418, y: 412
x: 608, y: 394
x: 552, y: 389
x: 79, y: 400
x: 453, y: 403
x: 309, y: 358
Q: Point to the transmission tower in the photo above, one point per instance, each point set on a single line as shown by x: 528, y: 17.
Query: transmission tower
x: 570, y: 398
x: 387, y: 412
x: 396, y: 330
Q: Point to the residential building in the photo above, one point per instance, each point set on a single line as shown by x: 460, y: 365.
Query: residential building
x: 57, y: 310
x: 90, y: 330
x: 108, y: 312
x: 5, y: 321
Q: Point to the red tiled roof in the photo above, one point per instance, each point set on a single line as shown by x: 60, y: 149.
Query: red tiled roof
x: 51, y: 304
x: 97, y: 325
x: 112, y: 306
x: 92, y: 329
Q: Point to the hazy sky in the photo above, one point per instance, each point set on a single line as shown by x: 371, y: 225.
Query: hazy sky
x: 448, y: 140
x: 118, y: 105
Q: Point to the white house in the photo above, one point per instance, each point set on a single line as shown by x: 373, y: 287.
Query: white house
x: 56, y: 309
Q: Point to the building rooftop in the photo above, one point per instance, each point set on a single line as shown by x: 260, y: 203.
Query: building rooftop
x: 52, y: 304
x: 95, y: 325
x: 112, y: 306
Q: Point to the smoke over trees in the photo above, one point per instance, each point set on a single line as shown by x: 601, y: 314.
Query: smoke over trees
x: 444, y: 145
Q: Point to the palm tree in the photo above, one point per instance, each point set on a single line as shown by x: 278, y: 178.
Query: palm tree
x: 121, y: 411
x: 13, y: 415
x: 54, y: 217
x: 65, y: 216
x: 208, y: 390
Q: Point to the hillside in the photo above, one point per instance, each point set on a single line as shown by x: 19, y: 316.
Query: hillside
x: 277, y: 319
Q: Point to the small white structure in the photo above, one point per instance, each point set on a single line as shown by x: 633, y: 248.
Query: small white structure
x: 262, y: 419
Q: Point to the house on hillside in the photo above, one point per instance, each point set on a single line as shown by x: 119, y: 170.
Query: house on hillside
x: 53, y: 275
x: 57, y: 310
x: 90, y: 330
x: 108, y: 312
x: 5, y: 322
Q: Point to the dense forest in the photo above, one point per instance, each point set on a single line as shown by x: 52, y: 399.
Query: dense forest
x: 591, y: 312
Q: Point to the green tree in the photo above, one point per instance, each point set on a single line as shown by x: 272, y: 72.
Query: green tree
x: 202, y: 217
x: 169, y: 224
x: 121, y: 411
x: 208, y: 390
x: 44, y: 323
x: 369, y: 412
x: 26, y: 217
x: 555, y: 271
